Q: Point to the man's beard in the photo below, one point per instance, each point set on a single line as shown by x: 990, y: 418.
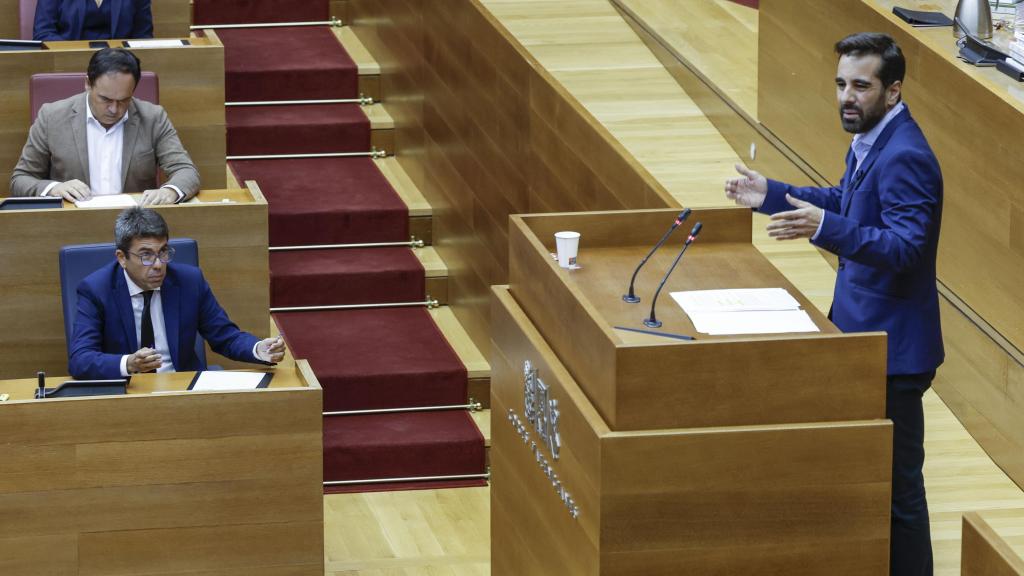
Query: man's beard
x: 862, y: 123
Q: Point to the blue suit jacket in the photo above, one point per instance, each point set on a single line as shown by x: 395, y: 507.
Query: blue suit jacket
x: 883, y: 222
x: 105, y: 323
x: 64, y: 19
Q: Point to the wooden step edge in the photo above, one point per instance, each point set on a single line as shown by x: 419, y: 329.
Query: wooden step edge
x: 357, y: 51
x: 475, y: 362
x: 404, y: 186
x: 378, y: 117
x: 433, y: 265
x: 483, y: 422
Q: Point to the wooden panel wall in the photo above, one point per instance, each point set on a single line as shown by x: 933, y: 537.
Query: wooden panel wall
x: 970, y: 116
x: 221, y: 483
x: 986, y: 551
x: 171, y: 18
x: 485, y: 132
x: 191, y: 90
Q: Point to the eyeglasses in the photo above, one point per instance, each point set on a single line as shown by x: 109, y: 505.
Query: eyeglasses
x: 148, y: 258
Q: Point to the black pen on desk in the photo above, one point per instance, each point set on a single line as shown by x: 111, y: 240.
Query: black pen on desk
x: 655, y: 333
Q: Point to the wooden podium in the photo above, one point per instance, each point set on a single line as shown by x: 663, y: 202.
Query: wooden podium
x: 617, y: 453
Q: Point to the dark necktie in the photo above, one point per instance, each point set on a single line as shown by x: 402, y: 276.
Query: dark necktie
x: 148, y: 340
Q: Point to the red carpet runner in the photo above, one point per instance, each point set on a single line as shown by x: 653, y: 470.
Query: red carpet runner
x: 364, y: 358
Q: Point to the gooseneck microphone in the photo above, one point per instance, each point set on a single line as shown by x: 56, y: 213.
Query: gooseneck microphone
x: 630, y: 296
x: 653, y: 322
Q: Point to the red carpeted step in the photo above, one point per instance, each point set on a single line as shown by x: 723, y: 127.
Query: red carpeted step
x: 302, y: 129
x: 345, y: 276
x: 258, y: 11
x: 411, y: 444
x: 327, y: 201
x: 290, y: 63
x: 376, y: 358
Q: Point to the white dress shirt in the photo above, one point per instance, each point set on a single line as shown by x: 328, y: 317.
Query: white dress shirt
x: 862, y: 144
x: 156, y: 312
x: 106, y: 150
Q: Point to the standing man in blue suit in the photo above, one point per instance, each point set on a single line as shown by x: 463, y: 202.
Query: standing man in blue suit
x: 883, y: 222
x: 140, y: 314
x: 92, y: 19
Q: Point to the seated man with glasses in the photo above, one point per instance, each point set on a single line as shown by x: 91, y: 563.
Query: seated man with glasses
x: 142, y: 314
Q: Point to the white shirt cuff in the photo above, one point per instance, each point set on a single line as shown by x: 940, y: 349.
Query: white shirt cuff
x: 256, y: 352
x: 820, y: 224
x: 124, y: 365
x: 50, y: 186
x: 181, y: 195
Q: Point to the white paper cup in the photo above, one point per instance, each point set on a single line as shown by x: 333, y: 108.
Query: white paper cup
x: 568, y: 245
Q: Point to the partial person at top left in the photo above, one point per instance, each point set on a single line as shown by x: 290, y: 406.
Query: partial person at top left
x: 105, y: 141
x: 92, y: 19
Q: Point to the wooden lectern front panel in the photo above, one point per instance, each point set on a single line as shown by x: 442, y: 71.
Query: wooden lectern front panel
x: 795, y: 499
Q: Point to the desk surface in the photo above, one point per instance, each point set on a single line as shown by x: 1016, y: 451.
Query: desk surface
x: 24, y: 388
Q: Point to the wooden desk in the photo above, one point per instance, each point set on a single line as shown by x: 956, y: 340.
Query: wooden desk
x: 175, y: 483
x: 191, y: 89
x: 993, y: 543
x: 171, y: 18
x: 234, y: 259
x: 724, y: 455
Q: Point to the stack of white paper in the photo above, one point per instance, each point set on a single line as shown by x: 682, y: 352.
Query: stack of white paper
x: 220, y: 380
x: 744, y: 311
x: 108, y: 201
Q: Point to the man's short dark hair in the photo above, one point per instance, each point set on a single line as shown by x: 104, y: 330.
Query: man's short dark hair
x: 863, y: 43
x: 114, y: 60
x: 138, y: 222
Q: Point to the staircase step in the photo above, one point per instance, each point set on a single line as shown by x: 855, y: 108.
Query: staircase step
x: 369, y: 70
x: 436, y: 273
x: 345, y: 276
x: 440, y: 443
x: 248, y: 12
x: 376, y: 358
x: 299, y: 129
x: 327, y: 201
x: 280, y: 63
x: 420, y: 212
x: 478, y: 369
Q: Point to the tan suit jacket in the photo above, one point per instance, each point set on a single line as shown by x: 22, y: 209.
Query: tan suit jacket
x: 57, y: 150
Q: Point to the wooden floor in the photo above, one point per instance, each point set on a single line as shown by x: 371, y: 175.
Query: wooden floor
x: 594, y: 53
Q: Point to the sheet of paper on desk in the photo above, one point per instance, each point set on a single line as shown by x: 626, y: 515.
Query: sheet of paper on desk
x: 218, y: 380
x: 735, y: 300
x: 755, y: 322
x: 154, y: 43
x: 108, y: 201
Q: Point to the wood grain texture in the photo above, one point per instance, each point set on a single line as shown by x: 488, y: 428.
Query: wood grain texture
x: 234, y: 260
x: 179, y: 483
x: 171, y: 18
x: 472, y: 111
x: 988, y: 551
x: 793, y: 499
x: 713, y: 383
x: 191, y: 90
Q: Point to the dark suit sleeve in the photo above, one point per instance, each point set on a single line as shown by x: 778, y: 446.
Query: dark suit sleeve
x: 223, y: 335
x: 826, y: 198
x: 86, y: 359
x: 142, y: 24
x: 45, y: 24
x: 172, y: 157
x: 909, y: 192
x: 31, y: 174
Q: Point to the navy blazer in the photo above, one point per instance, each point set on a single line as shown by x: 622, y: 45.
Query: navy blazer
x: 883, y: 222
x: 64, y: 19
x: 105, y: 323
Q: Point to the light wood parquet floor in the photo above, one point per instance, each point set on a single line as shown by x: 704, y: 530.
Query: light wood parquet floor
x: 590, y: 49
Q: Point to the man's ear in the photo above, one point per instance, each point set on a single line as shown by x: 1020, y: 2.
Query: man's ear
x: 893, y: 93
x: 122, y: 258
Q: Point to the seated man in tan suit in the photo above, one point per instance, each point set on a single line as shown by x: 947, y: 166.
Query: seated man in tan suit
x: 105, y: 142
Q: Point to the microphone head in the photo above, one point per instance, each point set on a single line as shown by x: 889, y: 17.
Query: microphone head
x: 682, y: 216
x: 696, y: 229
